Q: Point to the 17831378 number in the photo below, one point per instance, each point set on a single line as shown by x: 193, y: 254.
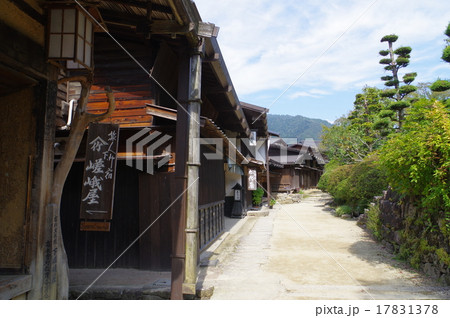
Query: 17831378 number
x: 407, y: 309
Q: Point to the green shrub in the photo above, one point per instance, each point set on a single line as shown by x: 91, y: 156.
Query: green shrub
x: 328, y: 176
x: 257, y: 196
x: 366, y: 181
x: 344, y: 209
x: 373, y: 221
x: 417, y: 161
x: 443, y: 256
x: 333, y: 178
x: 356, y: 184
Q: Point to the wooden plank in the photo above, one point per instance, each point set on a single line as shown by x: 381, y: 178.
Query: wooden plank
x: 169, y: 27
x: 119, y: 96
x: 121, y: 104
x: 95, y: 226
x: 14, y: 285
x: 134, y: 111
x: 162, y: 112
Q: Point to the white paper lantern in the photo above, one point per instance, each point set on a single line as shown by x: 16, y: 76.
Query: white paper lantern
x: 70, y: 37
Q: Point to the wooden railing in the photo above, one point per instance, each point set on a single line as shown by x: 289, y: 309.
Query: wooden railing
x: 212, y: 222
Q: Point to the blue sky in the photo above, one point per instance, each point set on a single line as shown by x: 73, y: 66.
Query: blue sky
x: 331, y: 47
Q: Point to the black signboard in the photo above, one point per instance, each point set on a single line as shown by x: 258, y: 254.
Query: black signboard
x: 99, y: 172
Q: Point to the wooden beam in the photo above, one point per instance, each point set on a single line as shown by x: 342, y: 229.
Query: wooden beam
x: 30, y: 11
x: 143, y: 5
x: 12, y: 48
x: 163, y: 112
x: 214, y: 58
x: 118, y: 17
x: 222, y: 90
x: 97, y: 16
x: 207, y: 30
x: 170, y: 27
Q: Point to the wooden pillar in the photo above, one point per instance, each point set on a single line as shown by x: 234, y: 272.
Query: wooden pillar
x: 43, y: 257
x: 178, y: 212
x: 193, y: 164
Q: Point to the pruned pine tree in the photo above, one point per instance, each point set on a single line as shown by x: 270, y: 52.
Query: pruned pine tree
x: 397, y: 89
x: 443, y: 85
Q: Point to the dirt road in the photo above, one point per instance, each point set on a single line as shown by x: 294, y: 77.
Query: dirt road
x: 302, y: 251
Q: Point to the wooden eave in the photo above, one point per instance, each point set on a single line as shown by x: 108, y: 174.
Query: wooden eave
x: 275, y: 164
x: 156, y: 17
x: 257, y: 118
x: 208, y: 128
x: 304, y: 167
x: 224, y: 87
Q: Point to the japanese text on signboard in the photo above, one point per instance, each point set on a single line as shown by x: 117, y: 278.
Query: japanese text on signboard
x: 99, y: 172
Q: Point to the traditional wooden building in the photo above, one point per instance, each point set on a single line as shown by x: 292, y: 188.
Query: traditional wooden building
x: 253, y: 173
x: 153, y: 71
x: 28, y: 88
x: 293, y: 167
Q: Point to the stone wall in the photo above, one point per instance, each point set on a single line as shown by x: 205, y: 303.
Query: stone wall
x: 414, y: 235
x: 287, y: 198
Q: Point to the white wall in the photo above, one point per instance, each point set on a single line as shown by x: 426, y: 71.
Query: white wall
x: 230, y: 181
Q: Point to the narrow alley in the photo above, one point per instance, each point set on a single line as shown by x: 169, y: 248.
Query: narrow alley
x: 302, y: 251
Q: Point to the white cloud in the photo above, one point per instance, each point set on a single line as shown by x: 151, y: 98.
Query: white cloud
x: 267, y: 45
x: 314, y: 93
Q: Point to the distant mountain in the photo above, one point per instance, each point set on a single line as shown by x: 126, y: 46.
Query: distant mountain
x: 296, y: 126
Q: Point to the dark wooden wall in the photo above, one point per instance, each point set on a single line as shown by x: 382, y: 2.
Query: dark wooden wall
x: 140, y: 198
x: 132, y: 87
x: 282, y: 179
x: 157, y: 193
x: 100, y: 249
x: 212, y: 179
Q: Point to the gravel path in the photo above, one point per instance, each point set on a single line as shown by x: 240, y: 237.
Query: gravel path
x: 302, y: 251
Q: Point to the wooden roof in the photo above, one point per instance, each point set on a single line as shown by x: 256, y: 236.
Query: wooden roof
x: 257, y: 118
x: 174, y: 22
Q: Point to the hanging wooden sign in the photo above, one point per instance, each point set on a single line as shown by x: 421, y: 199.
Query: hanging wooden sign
x: 99, y: 172
x: 252, y: 180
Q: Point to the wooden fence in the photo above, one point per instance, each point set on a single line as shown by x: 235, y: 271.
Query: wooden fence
x: 212, y: 223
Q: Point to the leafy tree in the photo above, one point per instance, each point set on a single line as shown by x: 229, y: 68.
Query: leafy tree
x: 363, y: 131
x: 394, y: 61
x: 342, y: 143
x: 372, y: 116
